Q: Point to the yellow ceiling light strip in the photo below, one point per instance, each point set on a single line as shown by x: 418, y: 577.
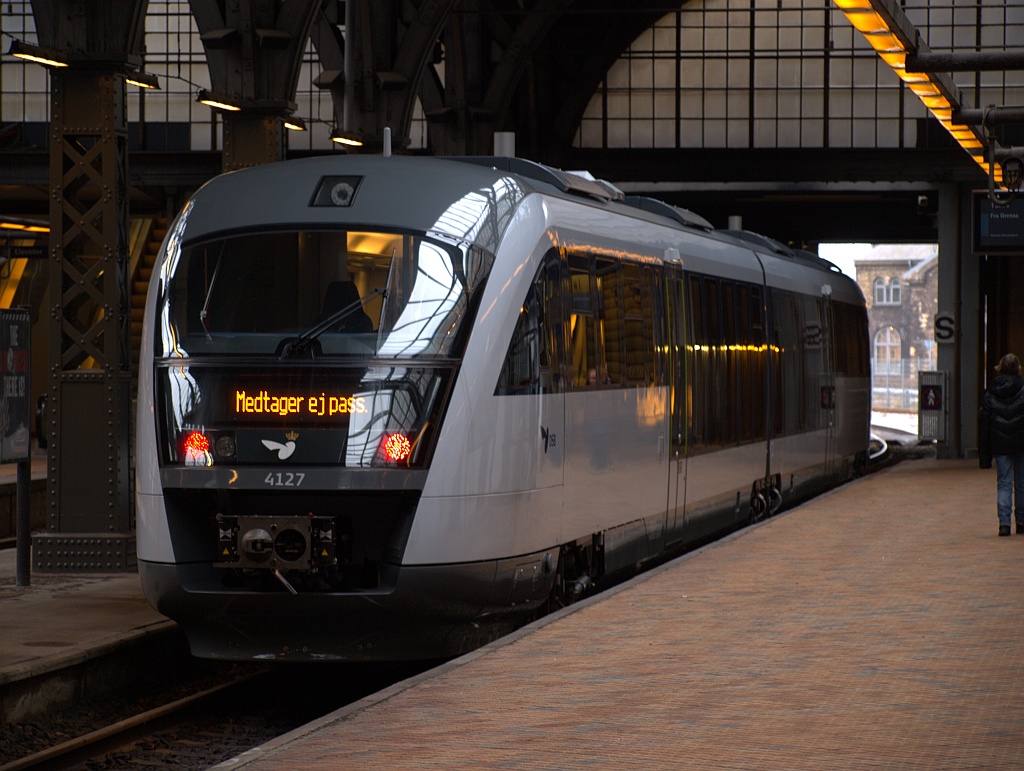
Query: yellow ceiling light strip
x: 890, y: 33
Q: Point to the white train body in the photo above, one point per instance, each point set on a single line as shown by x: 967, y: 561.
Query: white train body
x: 536, y: 402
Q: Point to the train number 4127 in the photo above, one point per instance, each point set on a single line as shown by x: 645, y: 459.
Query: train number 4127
x: 284, y: 479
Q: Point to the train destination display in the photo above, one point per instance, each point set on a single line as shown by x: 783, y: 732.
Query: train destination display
x: 265, y: 403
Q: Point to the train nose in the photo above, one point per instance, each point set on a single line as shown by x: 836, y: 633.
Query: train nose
x: 257, y: 544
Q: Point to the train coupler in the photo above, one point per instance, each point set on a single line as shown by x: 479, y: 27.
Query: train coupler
x: 304, y: 543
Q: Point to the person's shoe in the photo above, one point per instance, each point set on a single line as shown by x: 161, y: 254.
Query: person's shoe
x: 1020, y: 529
x: 1004, y: 530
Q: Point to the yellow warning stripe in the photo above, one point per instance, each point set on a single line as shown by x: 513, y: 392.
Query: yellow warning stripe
x: 11, y: 285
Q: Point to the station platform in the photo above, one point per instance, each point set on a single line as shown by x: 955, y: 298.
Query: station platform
x: 878, y: 626
x: 68, y: 635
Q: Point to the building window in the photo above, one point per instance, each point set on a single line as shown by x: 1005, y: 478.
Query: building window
x: 887, y: 351
x: 879, y: 291
x: 888, y: 294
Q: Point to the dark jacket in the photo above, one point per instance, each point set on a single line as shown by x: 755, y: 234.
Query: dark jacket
x: 1001, y: 419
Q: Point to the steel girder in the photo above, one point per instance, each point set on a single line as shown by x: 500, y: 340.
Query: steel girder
x: 529, y: 70
x: 90, y: 519
x: 254, y: 52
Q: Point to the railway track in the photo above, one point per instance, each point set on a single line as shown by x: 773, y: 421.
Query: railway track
x: 214, y: 722
x: 126, y: 732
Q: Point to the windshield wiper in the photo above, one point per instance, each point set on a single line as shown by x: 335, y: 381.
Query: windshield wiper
x: 302, y: 343
x: 209, y: 294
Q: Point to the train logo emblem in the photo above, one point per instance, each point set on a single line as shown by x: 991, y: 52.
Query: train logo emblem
x: 284, y: 451
x: 342, y: 194
x: 548, y: 437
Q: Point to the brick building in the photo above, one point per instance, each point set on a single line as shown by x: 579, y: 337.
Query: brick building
x: 900, y: 284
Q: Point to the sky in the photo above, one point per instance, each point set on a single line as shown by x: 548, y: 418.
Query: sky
x: 843, y: 255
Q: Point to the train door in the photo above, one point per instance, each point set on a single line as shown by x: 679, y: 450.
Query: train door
x: 827, y: 384
x: 678, y: 398
x: 771, y: 385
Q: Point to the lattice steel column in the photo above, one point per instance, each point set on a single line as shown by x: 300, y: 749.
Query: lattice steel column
x: 90, y: 522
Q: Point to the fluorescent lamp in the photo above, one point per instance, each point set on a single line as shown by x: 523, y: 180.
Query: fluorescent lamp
x: 141, y: 79
x: 26, y: 226
x: 345, y: 138
x: 45, y: 56
x: 891, y: 34
x: 218, y: 101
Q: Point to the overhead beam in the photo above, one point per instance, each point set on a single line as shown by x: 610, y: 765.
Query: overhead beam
x: 994, y: 61
x: 889, y: 31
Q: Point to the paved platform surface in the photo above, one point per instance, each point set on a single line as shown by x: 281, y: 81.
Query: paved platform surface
x: 61, y: 620
x: 879, y: 626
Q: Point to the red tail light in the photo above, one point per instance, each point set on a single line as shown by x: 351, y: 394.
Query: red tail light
x: 196, y: 448
x: 397, y: 447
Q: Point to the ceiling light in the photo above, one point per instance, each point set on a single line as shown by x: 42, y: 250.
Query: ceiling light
x: 218, y: 101
x: 890, y: 33
x: 346, y: 138
x: 45, y: 56
x: 141, y: 79
x: 24, y: 226
x: 294, y: 124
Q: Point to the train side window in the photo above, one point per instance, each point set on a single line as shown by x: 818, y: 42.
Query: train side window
x: 815, y: 363
x: 750, y: 363
x: 697, y: 367
x: 743, y: 358
x: 756, y: 384
x: 714, y: 381
x: 728, y: 358
x: 655, y: 289
x: 610, y: 322
x: 789, y: 342
x: 533, y: 360
x: 756, y: 309
x: 638, y: 326
x: 851, y: 334
x: 584, y: 318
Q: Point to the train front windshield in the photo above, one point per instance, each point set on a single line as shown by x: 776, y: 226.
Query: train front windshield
x: 391, y: 295
x: 349, y: 338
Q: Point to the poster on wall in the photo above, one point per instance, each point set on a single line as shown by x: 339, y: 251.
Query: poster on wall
x: 15, y: 388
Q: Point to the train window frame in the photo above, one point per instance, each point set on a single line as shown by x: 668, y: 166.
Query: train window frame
x: 542, y: 318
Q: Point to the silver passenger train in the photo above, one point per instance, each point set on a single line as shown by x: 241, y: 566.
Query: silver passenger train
x: 392, y: 407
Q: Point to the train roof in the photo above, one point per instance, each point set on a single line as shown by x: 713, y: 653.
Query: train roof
x: 583, y: 184
x: 401, y: 193
x: 449, y: 196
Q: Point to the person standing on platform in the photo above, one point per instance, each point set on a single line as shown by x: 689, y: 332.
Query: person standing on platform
x: 1001, y: 436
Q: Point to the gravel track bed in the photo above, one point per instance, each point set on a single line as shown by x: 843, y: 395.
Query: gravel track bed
x: 266, y: 707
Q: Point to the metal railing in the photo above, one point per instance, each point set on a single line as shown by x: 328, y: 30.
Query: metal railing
x: 894, y: 384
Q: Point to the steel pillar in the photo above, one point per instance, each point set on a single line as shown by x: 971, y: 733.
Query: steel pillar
x: 91, y: 520
x: 250, y: 140
x: 254, y: 51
